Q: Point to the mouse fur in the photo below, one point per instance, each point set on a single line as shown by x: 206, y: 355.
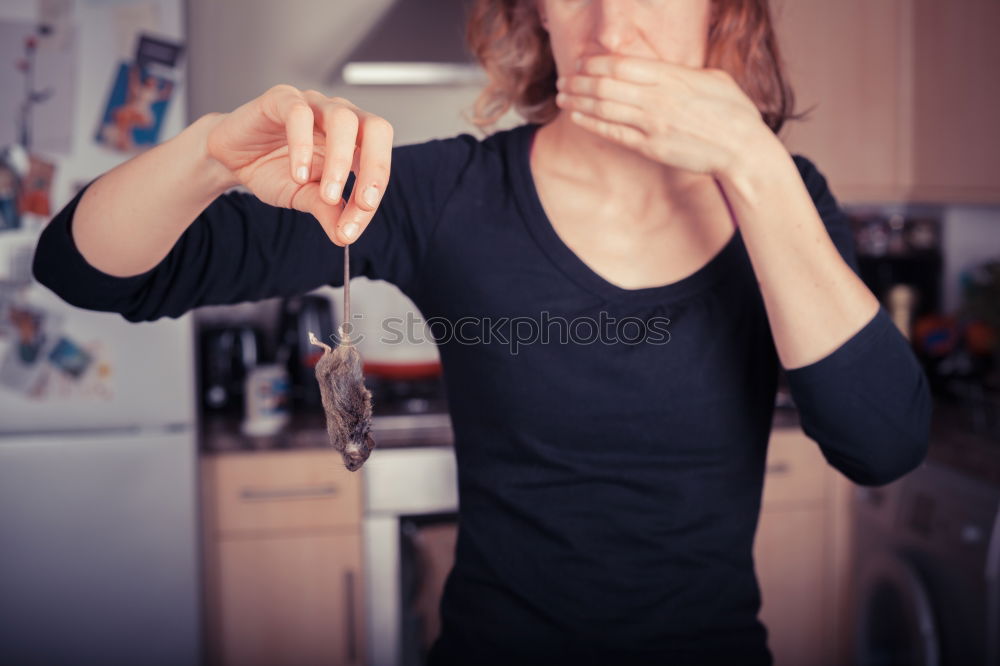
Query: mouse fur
x: 346, y: 401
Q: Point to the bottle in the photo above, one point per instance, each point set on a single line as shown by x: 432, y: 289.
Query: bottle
x: 902, y: 302
x: 267, y: 396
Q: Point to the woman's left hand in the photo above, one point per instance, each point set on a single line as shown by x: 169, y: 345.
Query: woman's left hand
x: 684, y: 117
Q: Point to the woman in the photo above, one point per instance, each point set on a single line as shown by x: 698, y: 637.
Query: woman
x: 615, y: 294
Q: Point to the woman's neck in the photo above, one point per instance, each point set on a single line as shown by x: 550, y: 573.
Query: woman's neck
x: 620, y: 173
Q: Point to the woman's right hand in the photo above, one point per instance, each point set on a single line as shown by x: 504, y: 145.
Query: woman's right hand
x: 266, y: 142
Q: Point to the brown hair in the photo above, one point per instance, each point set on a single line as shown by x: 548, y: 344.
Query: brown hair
x: 508, y: 40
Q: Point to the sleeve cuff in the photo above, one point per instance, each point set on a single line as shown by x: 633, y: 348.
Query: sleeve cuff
x: 847, y: 354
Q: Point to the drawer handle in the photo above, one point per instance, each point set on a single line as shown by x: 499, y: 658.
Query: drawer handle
x: 352, y: 648
x: 308, y: 492
x: 777, y: 468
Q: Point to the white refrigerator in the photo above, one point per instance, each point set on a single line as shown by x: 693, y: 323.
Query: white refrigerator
x: 98, y: 438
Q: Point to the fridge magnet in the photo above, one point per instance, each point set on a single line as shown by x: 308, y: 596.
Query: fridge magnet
x: 34, y: 197
x: 153, y: 53
x: 70, y: 358
x: 9, y: 219
x: 35, y: 333
x: 135, y: 109
x: 83, y: 372
x: 100, y: 381
x: 14, y: 167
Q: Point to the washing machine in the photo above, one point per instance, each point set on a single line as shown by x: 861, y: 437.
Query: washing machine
x: 927, y: 571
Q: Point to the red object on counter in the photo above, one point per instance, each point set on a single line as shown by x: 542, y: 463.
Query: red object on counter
x: 935, y: 335
x: 418, y: 370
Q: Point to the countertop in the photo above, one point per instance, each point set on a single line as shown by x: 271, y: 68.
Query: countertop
x: 221, y: 433
x: 954, y: 440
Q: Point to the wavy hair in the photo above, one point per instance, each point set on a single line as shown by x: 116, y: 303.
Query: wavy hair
x: 508, y: 40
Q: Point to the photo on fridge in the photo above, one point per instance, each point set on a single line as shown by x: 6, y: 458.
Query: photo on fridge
x: 134, y: 113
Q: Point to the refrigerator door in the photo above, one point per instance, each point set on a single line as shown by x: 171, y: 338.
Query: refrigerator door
x: 91, y: 370
x: 98, y: 550
x: 87, y: 370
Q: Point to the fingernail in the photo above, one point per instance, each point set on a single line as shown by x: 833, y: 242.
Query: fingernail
x: 333, y: 190
x: 350, y: 230
x: 302, y: 173
x: 371, y: 195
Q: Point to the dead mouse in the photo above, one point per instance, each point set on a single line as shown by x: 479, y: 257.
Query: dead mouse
x: 346, y: 400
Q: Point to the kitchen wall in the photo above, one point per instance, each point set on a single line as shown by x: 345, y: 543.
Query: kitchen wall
x: 240, y: 48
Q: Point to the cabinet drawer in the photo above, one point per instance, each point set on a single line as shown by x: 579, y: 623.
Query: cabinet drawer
x: 280, y: 490
x: 796, y: 470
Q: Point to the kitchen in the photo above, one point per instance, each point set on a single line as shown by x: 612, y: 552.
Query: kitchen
x: 228, y: 531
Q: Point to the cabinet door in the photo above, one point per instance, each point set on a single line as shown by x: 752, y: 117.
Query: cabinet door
x: 956, y: 100
x: 790, y: 553
x: 293, y: 599
x: 845, y: 59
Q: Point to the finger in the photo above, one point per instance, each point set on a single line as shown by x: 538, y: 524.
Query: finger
x: 297, y: 117
x: 374, y: 162
x: 308, y: 199
x: 604, y: 87
x: 654, y: 72
x: 604, y: 109
x: 329, y: 218
x: 338, y: 120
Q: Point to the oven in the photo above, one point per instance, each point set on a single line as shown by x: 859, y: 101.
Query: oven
x: 927, y: 558
x: 409, y: 529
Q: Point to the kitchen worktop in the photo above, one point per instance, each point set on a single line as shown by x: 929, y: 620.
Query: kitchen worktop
x: 221, y: 433
x: 954, y: 441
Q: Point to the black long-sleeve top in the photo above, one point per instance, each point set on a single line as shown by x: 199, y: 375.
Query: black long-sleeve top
x: 609, y: 483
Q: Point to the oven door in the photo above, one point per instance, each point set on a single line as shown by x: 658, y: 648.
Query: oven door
x: 427, y: 545
x: 896, y: 617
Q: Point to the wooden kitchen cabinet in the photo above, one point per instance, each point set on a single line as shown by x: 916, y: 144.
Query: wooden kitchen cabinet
x: 282, y: 543
x: 904, y: 110
x: 845, y: 58
x: 956, y: 101
x: 801, y: 553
